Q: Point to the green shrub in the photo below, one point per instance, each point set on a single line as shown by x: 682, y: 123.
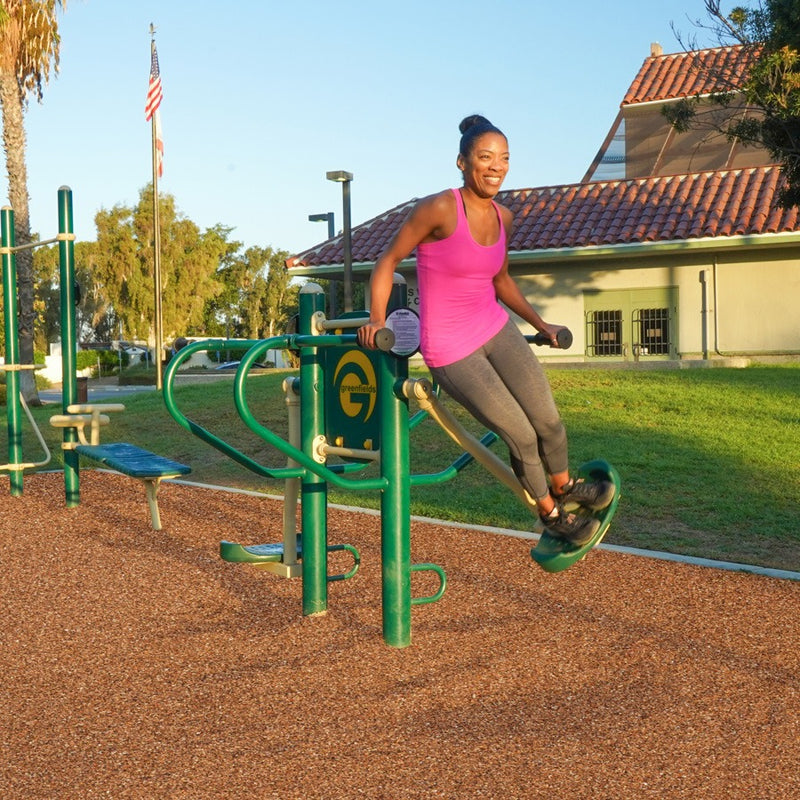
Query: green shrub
x: 101, y: 362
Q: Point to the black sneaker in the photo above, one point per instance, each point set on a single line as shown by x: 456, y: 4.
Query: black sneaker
x: 573, y: 528
x: 595, y: 495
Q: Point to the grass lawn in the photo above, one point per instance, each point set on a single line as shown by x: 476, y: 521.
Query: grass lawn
x: 709, y: 458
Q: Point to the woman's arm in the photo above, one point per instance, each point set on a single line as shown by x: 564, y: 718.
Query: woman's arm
x: 428, y: 221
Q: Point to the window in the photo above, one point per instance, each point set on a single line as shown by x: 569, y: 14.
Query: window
x: 604, y: 333
x: 651, y: 331
x: 623, y: 324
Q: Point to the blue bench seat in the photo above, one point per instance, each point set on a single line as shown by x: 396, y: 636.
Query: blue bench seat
x: 135, y: 462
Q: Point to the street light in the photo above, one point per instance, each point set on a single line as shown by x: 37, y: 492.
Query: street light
x: 328, y: 217
x: 340, y: 176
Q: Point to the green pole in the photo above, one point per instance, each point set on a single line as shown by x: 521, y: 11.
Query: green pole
x: 66, y: 261
x: 314, y: 489
x: 13, y: 409
x: 395, y: 510
x: 396, y: 497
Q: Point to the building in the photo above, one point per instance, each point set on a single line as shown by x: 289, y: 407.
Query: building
x: 671, y: 248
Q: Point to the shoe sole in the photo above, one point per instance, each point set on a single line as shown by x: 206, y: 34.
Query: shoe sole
x: 555, y: 555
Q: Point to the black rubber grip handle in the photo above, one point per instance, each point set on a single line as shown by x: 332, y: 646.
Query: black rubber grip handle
x: 563, y: 337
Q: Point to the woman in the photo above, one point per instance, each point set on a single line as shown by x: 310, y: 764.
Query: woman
x: 473, y: 349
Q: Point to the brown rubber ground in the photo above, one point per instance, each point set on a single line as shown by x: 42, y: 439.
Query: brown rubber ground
x: 137, y: 664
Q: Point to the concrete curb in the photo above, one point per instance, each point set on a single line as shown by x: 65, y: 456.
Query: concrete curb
x: 730, y: 566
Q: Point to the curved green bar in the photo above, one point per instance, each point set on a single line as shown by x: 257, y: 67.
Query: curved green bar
x: 200, y: 431
x: 256, y: 348
x: 240, y: 399
x: 448, y: 473
x: 419, y: 601
x: 332, y: 548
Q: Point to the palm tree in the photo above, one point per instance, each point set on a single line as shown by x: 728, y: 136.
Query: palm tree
x: 29, y: 46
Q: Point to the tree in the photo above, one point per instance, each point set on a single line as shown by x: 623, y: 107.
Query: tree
x: 225, y: 315
x: 189, y: 262
x: 29, y: 47
x: 770, y: 34
x: 210, y: 288
x: 257, y: 298
x: 95, y: 320
x: 281, y: 295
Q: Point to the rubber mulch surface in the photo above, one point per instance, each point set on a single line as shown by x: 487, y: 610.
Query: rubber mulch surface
x: 137, y: 664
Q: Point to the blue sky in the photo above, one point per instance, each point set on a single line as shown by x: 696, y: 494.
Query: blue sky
x: 262, y: 98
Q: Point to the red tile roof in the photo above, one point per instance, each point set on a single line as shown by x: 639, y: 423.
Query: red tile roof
x: 660, y: 209
x: 668, y: 77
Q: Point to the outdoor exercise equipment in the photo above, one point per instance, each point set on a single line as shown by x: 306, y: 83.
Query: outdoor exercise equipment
x: 12, y: 367
x: 15, y: 401
x: 128, y: 459
x: 353, y: 405
x: 77, y: 419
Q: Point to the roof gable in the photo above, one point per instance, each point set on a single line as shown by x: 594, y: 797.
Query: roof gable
x: 699, y: 72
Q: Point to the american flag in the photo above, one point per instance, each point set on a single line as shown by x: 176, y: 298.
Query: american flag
x: 154, y: 95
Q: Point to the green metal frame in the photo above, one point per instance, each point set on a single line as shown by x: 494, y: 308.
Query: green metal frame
x: 394, y: 481
x: 66, y: 249
x: 14, y: 421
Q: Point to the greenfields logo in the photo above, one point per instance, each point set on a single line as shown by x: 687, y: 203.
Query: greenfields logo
x: 354, y: 379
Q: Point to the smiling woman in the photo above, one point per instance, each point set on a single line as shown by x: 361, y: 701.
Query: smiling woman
x: 474, y: 350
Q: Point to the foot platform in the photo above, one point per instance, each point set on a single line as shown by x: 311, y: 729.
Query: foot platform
x: 271, y: 558
x: 555, y: 555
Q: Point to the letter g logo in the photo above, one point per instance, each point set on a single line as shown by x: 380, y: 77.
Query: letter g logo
x: 354, y: 379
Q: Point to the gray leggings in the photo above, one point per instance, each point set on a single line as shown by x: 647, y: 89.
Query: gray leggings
x: 503, y: 385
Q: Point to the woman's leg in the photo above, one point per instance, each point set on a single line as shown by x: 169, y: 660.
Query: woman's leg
x: 503, y: 386
x: 522, y: 374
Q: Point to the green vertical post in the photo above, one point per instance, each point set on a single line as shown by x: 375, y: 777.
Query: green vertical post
x: 13, y: 409
x: 314, y: 489
x: 396, y: 497
x: 395, y: 509
x: 69, y: 390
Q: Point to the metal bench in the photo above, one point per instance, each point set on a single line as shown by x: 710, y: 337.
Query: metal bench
x: 127, y: 459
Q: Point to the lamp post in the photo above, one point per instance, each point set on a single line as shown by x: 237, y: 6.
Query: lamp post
x: 340, y: 176
x: 328, y: 217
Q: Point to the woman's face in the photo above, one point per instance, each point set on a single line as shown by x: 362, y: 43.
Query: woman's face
x: 486, y: 166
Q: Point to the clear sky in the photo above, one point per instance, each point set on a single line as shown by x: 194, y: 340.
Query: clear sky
x: 263, y: 97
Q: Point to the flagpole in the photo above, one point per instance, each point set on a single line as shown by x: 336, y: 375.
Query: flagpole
x: 156, y: 238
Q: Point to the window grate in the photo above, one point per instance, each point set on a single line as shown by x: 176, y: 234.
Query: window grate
x: 604, y: 333
x: 651, y: 331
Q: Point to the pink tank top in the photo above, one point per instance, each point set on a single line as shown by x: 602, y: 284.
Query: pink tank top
x: 459, y: 311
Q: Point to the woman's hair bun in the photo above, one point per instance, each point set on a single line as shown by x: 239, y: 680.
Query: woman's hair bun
x: 471, y: 120
x: 472, y: 127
